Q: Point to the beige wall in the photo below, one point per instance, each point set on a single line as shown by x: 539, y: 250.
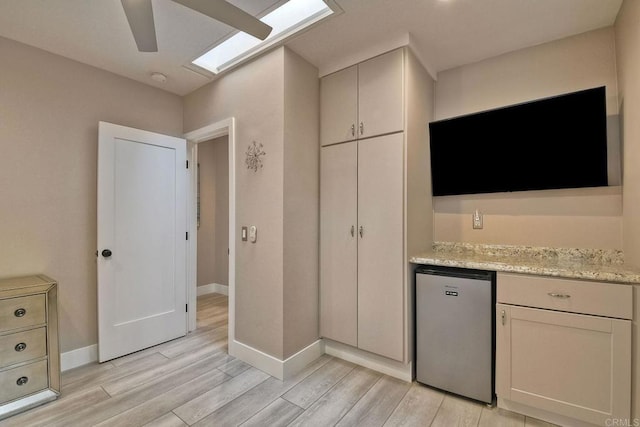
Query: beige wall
x: 49, y: 112
x: 253, y: 94
x: 301, y: 203
x: 274, y: 100
x: 627, y: 28
x: 628, y: 66
x: 213, y: 233
x: 593, y: 220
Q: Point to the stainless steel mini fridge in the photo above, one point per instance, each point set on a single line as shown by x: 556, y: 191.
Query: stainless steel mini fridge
x: 455, y: 325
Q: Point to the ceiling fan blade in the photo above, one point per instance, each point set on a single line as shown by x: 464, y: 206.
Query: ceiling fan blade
x: 140, y: 16
x: 225, y: 12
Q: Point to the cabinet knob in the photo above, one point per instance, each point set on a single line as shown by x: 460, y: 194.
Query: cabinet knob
x: 361, y: 231
x: 22, y: 380
x: 353, y: 230
x: 361, y: 128
x: 107, y: 253
x: 20, y: 346
x: 503, y: 315
x: 20, y: 312
x: 353, y: 130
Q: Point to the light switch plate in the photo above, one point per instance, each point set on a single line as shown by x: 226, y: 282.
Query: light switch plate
x: 477, y: 220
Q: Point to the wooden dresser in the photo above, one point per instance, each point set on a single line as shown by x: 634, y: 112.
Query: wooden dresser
x: 29, y: 354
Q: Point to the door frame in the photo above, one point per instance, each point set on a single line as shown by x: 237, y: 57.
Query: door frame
x: 206, y: 133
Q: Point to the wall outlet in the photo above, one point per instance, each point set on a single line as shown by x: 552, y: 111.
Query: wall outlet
x: 477, y: 220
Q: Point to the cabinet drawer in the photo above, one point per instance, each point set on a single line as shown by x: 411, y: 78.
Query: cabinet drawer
x: 22, y: 312
x: 23, y: 346
x: 24, y: 380
x: 575, y: 296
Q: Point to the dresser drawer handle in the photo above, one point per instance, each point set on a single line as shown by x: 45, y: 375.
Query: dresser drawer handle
x: 20, y: 312
x: 20, y: 346
x: 22, y: 380
x: 557, y: 295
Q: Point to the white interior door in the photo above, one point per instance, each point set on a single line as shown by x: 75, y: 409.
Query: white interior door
x: 142, y: 223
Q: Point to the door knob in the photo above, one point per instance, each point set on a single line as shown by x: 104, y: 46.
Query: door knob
x: 107, y: 253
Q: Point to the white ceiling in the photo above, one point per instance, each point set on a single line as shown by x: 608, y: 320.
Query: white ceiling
x: 446, y: 33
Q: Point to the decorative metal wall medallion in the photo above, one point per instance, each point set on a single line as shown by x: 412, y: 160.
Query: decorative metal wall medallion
x: 254, y: 156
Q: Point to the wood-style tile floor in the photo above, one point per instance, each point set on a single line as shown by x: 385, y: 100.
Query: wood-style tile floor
x: 193, y: 381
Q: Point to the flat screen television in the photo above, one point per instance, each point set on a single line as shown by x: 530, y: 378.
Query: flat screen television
x: 552, y: 143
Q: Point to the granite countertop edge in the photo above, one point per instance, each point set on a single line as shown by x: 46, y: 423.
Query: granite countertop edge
x: 603, y: 272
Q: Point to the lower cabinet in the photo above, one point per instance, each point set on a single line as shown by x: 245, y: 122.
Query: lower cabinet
x: 573, y: 365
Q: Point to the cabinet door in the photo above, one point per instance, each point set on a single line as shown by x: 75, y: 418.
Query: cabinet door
x: 338, y: 243
x: 380, y: 246
x: 574, y: 365
x: 380, y: 94
x: 339, y: 106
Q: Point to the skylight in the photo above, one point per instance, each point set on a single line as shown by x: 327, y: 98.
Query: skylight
x: 289, y: 18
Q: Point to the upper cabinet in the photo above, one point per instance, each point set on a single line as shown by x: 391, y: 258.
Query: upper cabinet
x: 339, y: 106
x: 380, y: 95
x: 364, y: 100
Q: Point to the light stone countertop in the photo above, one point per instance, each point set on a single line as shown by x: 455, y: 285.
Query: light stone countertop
x: 586, y: 264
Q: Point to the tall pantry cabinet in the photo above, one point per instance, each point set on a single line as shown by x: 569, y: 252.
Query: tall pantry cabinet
x: 375, y: 200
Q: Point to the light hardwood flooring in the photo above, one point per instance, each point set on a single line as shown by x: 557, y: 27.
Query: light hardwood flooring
x: 193, y: 381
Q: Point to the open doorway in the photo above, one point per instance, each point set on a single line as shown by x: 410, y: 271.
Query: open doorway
x: 203, y: 143
x: 212, y: 216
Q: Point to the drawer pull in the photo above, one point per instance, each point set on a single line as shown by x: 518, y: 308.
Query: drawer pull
x: 20, y: 312
x: 20, y: 346
x: 22, y: 380
x: 557, y: 295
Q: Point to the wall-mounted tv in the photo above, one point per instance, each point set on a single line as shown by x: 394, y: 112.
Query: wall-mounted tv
x: 552, y: 143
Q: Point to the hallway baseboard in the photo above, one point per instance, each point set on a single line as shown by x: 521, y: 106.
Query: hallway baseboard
x: 212, y: 288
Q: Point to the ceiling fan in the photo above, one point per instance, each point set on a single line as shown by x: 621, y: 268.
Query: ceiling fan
x: 140, y: 16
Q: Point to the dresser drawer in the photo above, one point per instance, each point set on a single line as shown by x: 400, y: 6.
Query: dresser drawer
x: 24, y: 380
x: 23, y: 346
x: 575, y: 296
x: 22, y: 312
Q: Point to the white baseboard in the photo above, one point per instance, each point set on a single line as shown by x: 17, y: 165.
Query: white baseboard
x: 78, y: 357
x: 295, y: 363
x: 550, y: 417
x: 212, y: 288
x: 368, y: 360
x: 273, y: 366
